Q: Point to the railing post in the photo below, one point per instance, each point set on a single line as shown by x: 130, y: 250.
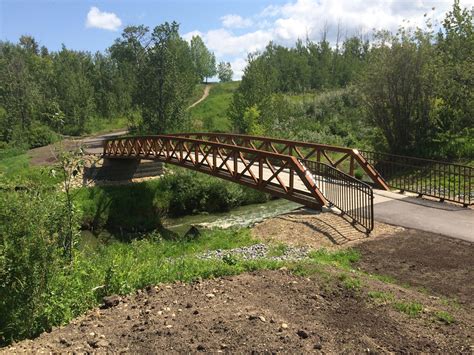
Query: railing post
x: 351, y: 166
x: 236, y: 164
x: 214, y: 158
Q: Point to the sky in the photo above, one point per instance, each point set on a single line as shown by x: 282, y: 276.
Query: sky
x: 230, y: 28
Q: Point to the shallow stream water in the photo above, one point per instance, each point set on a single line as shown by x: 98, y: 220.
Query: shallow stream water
x: 243, y: 216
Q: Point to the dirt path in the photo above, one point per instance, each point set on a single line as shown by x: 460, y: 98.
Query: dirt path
x: 207, y: 88
x: 47, y: 155
x: 276, y: 311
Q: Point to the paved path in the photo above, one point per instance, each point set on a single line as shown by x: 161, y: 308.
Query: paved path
x: 430, y: 216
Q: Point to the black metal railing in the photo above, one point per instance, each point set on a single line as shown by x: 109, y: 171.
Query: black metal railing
x: 350, y: 195
x: 446, y: 181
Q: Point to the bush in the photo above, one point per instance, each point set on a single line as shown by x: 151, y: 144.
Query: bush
x: 40, y: 135
x: 30, y: 255
x: 139, y: 207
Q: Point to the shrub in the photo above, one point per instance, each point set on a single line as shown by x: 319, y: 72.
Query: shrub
x: 40, y: 135
x: 139, y: 207
x: 30, y: 256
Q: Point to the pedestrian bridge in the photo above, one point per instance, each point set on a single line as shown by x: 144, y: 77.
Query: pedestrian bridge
x: 314, y: 175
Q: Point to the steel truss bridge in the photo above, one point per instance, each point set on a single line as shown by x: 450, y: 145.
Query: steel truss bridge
x: 314, y: 175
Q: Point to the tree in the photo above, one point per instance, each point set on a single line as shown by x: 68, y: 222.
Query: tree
x: 224, y: 72
x: 204, y: 61
x: 399, y: 90
x: 166, y: 80
x: 258, y: 84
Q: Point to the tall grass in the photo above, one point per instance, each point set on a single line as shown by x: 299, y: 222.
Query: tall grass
x: 211, y: 114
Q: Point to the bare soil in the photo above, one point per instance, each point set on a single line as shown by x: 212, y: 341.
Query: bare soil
x: 433, y: 263
x: 276, y: 311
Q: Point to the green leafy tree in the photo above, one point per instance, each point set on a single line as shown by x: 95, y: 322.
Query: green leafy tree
x: 258, y: 84
x: 166, y: 80
x: 224, y: 72
x: 399, y: 90
x: 204, y: 61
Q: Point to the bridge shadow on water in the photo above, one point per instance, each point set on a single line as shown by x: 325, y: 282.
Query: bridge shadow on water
x: 123, y: 210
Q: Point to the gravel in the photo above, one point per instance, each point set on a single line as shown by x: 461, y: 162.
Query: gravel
x: 259, y: 251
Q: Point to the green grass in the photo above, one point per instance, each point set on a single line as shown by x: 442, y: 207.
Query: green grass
x: 15, y: 170
x: 343, y: 258
x: 197, y: 93
x: 277, y: 250
x: 381, y: 297
x: 211, y: 114
x: 98, y: 125
x: 384, y: 278
x: 350, y: 282
x: 412, y: 309
x: 444, y: 317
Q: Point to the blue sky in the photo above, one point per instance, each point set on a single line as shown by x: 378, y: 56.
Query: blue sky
x: 230, y: 28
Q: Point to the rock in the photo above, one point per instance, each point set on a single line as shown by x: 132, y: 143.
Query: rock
x: 318, y: 346
x: 262, y: 318
x: 196, y: 312
x: 189, y: 305
x: 302, y: 334
x: 284, y: 326
x: 201, y: 347
x: 100, y: 343
x: 64, y: 341
x: 192, y: 233
x: 110, y: 301
x: 150, y: 290
x: 129, y: 318
x: 210, y: 295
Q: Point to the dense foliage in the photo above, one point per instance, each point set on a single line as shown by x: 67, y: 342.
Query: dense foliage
x: 140, y: 207
x: 413, y: 88
x: 145, y: 77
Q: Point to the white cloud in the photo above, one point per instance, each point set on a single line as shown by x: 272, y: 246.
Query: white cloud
x: 235, y: 21
x: 103, y: 20
x: 300, y: 19
x: 238, y: 65
x: 188, y: 36
x: 224, y: 42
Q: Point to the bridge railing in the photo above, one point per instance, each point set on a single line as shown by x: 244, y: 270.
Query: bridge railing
x: 351, y: 196
x: 278, y: 174
x: 344, y: 159
x: 446, y: 181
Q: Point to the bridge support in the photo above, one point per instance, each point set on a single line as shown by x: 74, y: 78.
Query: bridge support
x: 124, y: 169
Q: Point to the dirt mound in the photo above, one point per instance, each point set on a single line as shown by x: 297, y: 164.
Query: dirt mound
x: 317, y: 230
x: 271, y: 311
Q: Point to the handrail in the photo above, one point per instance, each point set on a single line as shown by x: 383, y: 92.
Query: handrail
x: 278, y: 174
x: 300, y: 150
x: 426, y: 177
x: 350, y: 195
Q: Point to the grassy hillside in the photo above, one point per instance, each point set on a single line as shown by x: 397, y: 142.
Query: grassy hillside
x: 211, y: 114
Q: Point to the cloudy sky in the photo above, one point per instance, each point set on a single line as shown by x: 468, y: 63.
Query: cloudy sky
x: 230, y: 28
